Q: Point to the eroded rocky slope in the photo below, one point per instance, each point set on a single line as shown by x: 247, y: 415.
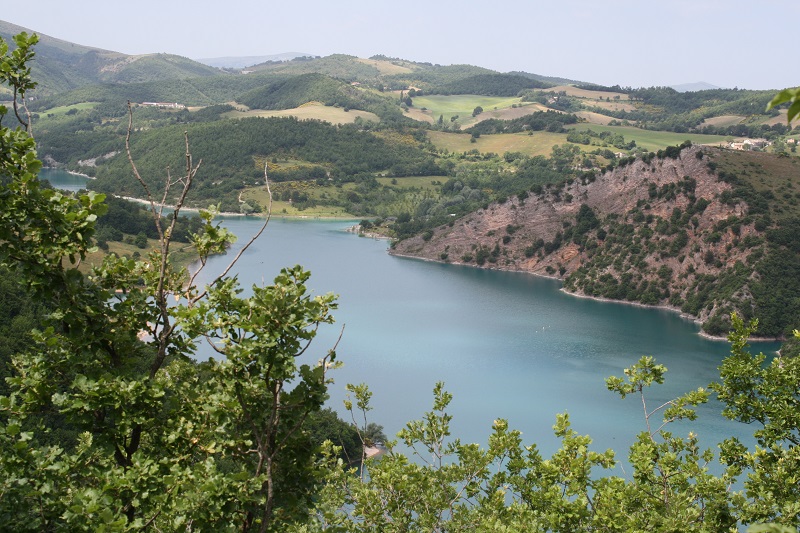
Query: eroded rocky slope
x: 660, y: 231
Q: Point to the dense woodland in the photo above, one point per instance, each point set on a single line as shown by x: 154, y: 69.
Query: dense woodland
x: 107, y: 423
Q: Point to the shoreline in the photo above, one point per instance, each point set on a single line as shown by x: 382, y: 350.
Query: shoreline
x: 88, y: 177
x: 234, y: 214
x: 223, y: 213
x: 683, y: 315
x: 367, y: 234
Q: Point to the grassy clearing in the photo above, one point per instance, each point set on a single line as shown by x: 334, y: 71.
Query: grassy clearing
x: 280, y: 208
x: 766, y: 172
x: 654, y: 140
x: 724, y: 120
x: 594, y: 118
x: 182, y: 254
x: 406, y: 194
x: 583, y: 93
x: 461, y: 105
x: 613, y: 106
x: 386, y: 68
x: 62, y: 110
x: 430, y: 183
x: 312, y: 110
x: 539, y: 143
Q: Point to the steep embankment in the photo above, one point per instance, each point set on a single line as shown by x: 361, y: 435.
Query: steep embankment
x: 670, y: 230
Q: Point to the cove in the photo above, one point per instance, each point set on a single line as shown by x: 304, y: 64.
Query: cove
x: 61, y: 179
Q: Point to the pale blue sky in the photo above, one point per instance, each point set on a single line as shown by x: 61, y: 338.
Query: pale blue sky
x: 730, y: 43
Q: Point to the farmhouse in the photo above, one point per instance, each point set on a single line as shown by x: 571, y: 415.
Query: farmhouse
x: 749, y: 144
x: 164, y: 105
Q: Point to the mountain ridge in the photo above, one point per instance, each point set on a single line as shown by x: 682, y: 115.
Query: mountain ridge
x: 60, y: 65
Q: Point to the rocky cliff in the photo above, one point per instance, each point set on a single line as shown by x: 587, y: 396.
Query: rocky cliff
x: 669, y: 229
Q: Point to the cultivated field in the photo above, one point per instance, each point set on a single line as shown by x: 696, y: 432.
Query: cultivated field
x: 583, y: 93
x: 539, y: 143
x: 311, y: 110
x: 62, y: 110
x: 724, y: 120
x: 386, y: 68
x: 654, y: 140
x: 429, y: 183
x: 461, y: 105
x: 613, y: 105
x: 594, y: 118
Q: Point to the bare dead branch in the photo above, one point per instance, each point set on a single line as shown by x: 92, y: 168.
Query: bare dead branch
x: 25, y: 124
x: 242, y: 251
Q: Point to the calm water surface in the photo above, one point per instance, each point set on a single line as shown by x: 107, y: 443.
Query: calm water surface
x: 507, y: 345
x: 63, y: 180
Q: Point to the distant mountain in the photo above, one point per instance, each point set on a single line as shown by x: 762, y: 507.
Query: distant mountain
x: 61, y: 66
x: 248, y: 61
x: 692, y: 87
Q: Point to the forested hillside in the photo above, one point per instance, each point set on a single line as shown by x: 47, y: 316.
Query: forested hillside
x: 235, y: 153
x: 62, y: 66
x: 315, y: 87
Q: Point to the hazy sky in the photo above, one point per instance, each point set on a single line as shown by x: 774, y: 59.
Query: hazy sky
x: 730, y: 43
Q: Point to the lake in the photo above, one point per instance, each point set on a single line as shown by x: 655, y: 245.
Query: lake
x: 64, y: 180
x: 507, y: 345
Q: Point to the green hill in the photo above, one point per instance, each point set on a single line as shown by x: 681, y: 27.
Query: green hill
x: 298, y: 90
x: 341, y: 66
x: 61, y: 66
x: 234, y: 153
x: 490, y: 85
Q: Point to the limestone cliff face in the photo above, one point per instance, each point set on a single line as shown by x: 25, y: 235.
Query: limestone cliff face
x: 656, y: 228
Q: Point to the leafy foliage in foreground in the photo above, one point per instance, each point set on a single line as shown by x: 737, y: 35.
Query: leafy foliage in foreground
x: 446, y: 485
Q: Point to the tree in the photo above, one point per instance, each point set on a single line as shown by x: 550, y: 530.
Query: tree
x: 445, y: 485
x: 790, y: 96
x: 161, y: 441
x: 477, y: 111
x: 765, y: 393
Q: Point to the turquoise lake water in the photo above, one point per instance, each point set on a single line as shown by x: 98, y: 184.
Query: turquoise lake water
x: 507, y: 345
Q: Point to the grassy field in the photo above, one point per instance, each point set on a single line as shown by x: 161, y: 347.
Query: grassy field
x: 182, y: 254
x: 386, y: 68
x: 410, y: 191
x: 594, y: 118
x: 765, y: 172
x: 62, y: 110
x: 461, y: 105
x: 540, y: 143
x: 423, y: 183
x: 583, y: 93
x: 311, y: 110
x: 279, y: 208
x: 724, y: 120
x: 654, y: 140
